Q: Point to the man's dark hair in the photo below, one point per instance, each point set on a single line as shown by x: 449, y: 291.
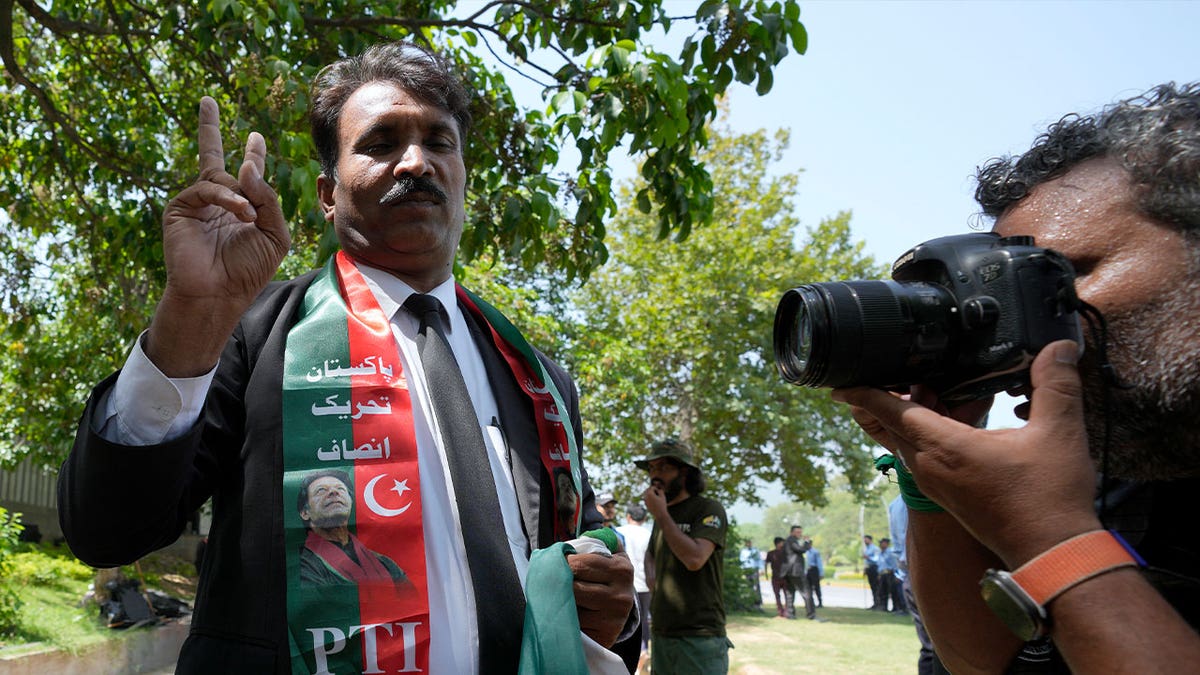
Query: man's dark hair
x: 636, y: 512
x: 1154, y: 136
x: 867, y: 536
x: 423, y: 74
x: 885, y: 540
x: 778, y: 540
x: 302, y: 497
x: 796, y: 527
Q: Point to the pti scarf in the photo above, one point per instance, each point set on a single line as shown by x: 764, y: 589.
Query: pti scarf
x: 347, y: 418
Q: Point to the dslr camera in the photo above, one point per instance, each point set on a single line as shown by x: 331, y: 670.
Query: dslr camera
x: 964, y: 315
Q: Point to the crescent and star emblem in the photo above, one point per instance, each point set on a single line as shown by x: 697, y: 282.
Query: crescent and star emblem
x: 398, y: 486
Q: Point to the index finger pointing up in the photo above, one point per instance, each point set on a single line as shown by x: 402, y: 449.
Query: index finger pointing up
x: 212, y: 155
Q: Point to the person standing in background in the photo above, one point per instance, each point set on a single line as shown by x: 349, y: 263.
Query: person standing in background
x: 814, y: 573
x: 637, y: 540
x: 775, y: 574
x: 685, y: 568
x: 870, y: 557
x: 794, y: 550
x: 752, y: 563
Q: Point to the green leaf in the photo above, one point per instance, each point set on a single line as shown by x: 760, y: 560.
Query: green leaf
x: 643, y: 200
x: 559, y: 103
x: 799, y: 36
x: 130, y: 91
x: 765, y: 80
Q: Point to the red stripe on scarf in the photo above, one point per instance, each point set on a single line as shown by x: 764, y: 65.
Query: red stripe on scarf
x: 368, y: 570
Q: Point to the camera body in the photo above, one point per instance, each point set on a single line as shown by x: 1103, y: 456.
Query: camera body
x: 964, y: 315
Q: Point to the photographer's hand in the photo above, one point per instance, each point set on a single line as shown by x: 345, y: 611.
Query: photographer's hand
x: 1009, y: 495
x: 1018, y: 491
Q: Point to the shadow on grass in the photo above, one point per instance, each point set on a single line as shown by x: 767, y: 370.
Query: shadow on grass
x: 838, y: 615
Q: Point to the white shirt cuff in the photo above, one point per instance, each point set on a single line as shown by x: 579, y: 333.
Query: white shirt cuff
x: 145, y: 407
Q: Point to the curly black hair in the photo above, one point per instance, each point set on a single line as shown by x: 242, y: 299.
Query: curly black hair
x: 1155, y: 137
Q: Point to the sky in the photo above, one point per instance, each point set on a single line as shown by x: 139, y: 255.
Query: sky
x: 895, y: 104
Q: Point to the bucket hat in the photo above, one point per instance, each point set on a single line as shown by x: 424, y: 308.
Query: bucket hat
x: 669, y: 447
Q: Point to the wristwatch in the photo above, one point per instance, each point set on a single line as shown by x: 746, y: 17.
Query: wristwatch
x: 1019, y: 598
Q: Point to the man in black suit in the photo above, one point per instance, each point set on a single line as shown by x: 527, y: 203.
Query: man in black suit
x: 212, y: 400
x: 794, y: 549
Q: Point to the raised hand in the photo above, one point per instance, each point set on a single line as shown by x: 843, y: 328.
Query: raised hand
x: 223, y: 239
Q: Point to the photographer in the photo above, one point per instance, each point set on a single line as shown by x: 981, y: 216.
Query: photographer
x: 1118, y: 194
x: 795, y: 549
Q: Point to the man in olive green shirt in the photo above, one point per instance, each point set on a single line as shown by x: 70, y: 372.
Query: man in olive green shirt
x: 684, y: 567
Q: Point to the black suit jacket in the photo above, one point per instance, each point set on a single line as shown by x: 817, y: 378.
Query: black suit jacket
x: 793, y: 556
x: 118, y: 503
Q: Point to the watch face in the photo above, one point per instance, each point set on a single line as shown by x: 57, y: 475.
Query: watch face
x: 1024, y: 617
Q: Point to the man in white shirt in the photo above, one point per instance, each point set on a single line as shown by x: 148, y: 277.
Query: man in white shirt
x: 637, y: 540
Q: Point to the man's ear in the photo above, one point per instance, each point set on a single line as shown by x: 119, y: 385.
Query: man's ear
x: 325, y: 186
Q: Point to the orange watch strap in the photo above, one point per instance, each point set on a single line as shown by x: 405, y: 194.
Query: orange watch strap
x: 1073, y: 561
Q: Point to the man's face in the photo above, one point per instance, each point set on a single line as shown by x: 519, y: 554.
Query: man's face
x: 609, y: 510
x: 668, y: 476
x: 883, y: 545
x: 866, y: 541
x: 398, y: 199
x: 329, y: 503
x: 798, y: 532
x: 1143, y: 278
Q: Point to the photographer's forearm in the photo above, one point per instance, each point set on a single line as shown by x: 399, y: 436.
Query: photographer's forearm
x: 1092, y: 627
x: 945, y: 564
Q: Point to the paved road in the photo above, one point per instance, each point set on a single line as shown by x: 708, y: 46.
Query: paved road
x: 835, y: 594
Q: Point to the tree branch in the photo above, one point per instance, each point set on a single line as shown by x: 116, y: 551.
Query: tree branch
x: 137, y: 63
x: 47, y: 106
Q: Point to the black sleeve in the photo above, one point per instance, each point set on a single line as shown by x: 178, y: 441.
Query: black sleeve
x: 116, y: 503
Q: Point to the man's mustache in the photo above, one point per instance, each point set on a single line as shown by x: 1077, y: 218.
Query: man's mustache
x: 408, y: 185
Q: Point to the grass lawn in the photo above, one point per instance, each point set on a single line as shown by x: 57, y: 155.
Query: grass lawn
x: 50, y: 585
x: 849, y: 641
x: 53, y: 616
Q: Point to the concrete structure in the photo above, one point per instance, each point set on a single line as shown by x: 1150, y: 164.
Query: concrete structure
x: 30, y: 491
x: 145, y: 650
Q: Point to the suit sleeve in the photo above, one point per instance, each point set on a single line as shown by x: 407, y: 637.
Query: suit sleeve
x: 119, y: 502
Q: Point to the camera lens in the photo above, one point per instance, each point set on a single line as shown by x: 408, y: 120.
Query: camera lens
x: 849, y: 333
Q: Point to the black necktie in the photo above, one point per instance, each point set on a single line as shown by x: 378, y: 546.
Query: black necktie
x: 499, y: 602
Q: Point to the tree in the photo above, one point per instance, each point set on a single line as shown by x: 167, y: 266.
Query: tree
x: 98, y: 131
x: 675, y: 338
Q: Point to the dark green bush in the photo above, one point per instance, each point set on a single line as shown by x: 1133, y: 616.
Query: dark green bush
x: 10, y: 602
